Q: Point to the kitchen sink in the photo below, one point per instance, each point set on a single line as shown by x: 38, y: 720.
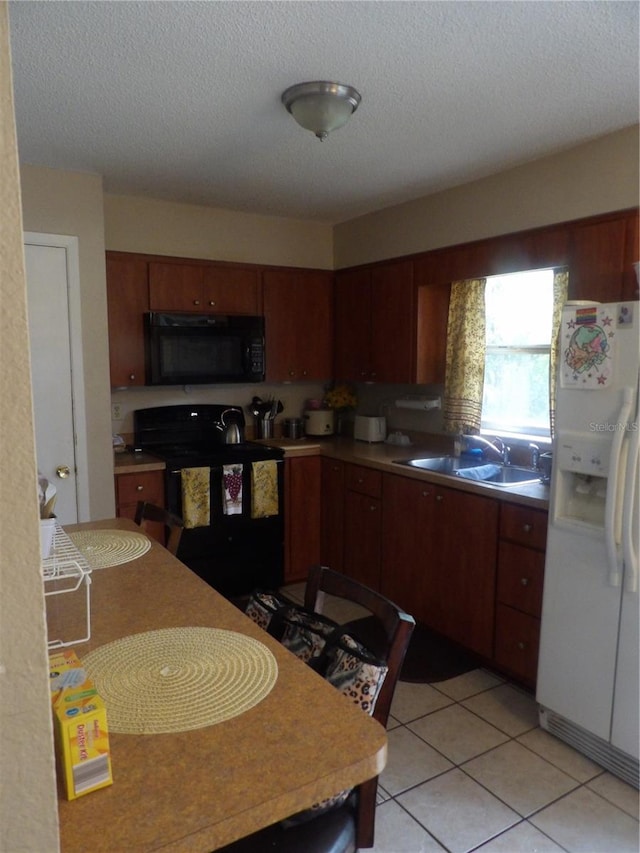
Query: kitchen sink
x: 490, y: 472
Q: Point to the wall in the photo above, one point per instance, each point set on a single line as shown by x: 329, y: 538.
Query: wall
x: 28, y: 805
x: 71, y: 203
x: 596, y: 177
x: 168, y: 228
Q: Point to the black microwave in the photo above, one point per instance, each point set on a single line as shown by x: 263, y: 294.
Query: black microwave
x: 203, y: 349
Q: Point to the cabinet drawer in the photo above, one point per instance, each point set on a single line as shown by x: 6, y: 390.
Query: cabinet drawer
x: 520, y: 577
x: 524, y: 525
x: 145, y: 486
x: 367, y: 481
x: 517, y: 641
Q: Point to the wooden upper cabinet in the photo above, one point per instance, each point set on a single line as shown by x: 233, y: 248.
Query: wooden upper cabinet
x: 597, y: 260
x: 298, y: 312
x: 175, y: 287
x: 393, y: 323
x: 204, y: 288
x: 127, y: 301
x: 630, y: 288
x: 232, y: 290
x: 375, y: 335
x: 433, y: 296
x: 352, y: 338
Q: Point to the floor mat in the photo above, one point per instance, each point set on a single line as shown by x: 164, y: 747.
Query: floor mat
x: 430, y: 657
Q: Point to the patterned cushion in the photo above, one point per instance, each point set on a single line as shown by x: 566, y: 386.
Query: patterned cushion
x: 265, y: 608
x: 355, y: 672
x: 305, y: 634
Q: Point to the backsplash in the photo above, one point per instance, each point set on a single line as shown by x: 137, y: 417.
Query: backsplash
x: 292, y: 396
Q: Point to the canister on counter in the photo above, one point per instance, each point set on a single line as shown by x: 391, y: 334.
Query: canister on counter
x: 292, y: 428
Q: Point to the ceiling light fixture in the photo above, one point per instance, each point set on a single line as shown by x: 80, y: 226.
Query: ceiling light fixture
x: 321, y: 106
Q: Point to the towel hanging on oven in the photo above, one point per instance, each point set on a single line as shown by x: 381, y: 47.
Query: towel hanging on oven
x: 196, y: 497
x: 264, y: 488
x: 232, y: 489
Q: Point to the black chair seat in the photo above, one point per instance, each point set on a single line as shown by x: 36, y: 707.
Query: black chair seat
x: 334, y: 832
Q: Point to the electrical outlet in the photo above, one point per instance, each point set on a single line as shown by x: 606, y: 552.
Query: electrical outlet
x: 116, y: 412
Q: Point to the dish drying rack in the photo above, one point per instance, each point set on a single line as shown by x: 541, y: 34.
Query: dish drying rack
x: 67, y: 572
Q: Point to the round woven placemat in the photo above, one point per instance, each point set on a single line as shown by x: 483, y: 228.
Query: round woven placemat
x: 103, y: 548
x: 178, y: 679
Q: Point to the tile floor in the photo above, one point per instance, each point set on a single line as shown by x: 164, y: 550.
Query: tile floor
x: 470, y: 769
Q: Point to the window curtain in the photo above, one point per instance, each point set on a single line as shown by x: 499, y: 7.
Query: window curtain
x: 560, y: 291
x: 464, y: 374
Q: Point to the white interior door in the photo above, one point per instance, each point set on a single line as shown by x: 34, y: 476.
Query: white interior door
x: 53, y: 296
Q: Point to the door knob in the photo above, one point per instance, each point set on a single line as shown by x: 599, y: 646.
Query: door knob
x: 63, y: 472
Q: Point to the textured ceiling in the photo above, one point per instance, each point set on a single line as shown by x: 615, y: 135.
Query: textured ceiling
x: 181, y: 100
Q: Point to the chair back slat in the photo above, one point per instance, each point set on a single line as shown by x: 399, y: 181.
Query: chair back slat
x: 173, y: 525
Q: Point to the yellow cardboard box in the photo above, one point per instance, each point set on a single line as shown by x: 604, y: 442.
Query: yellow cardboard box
x: 80, y: 724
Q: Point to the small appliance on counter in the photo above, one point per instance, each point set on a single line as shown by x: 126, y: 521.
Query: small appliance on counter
x: 292, y: 428
x: 318, y: 422
x: 370, y: 429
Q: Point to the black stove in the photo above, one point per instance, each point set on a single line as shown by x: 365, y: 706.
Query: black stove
x: 234, y: 552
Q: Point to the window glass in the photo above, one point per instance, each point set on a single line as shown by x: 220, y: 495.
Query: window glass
x: 519, y: 311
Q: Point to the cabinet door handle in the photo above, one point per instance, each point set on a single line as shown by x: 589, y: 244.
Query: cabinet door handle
x: 522, y: 646
x: 132, y: 376
x: 439, y: 498
x: 196, y: 302
x: 524, y: 581
x: 360, y: 480
x: 212, y: 302
x: 292, y: 373
x: 373, y: 507
x: 139, y: 488
x: 527, y: 528
x: 426, y: 493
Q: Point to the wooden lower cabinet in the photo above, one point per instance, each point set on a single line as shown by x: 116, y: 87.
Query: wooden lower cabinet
x: 439, y: 558
x: 362, y: 524
x: 303, y: 478
x: 517, y: 641
x: 407, y: 575
x: 521, y: 553
x: 332, y: 514
x: 144, y: 486
x: 468, y: 566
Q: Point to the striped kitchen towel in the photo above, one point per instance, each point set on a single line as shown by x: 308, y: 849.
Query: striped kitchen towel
x: 196, y: 497
x: 264, y: 489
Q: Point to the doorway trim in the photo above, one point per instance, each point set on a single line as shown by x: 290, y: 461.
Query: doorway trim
x: 78, y: 414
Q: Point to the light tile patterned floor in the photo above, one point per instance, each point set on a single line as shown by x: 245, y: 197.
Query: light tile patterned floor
x: 469, y: 769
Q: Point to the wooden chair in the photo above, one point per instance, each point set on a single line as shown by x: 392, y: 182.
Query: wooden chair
x: 172, y: 525
x: 387, y: 635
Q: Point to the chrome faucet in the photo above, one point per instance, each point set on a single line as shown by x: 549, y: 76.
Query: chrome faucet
x: 497, y: 448
x: 535, y: 455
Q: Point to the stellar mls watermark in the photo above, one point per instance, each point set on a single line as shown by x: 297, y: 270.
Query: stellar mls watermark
x: 606, y: 426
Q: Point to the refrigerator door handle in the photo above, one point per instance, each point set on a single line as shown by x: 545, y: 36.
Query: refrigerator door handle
x: 612, y: 502
x: 629, y: 544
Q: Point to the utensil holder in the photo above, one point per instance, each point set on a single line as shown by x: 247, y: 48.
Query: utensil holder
x: 264, y: 428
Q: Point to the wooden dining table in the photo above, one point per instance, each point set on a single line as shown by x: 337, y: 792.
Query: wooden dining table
x: 201, y: 789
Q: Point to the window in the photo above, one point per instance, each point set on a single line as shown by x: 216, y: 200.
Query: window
x: 519, y: 315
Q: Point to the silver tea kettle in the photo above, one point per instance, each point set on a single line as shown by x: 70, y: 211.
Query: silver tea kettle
x: 231, y: 433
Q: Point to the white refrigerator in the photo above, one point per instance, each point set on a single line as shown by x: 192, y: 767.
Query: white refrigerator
x: 587, y: 685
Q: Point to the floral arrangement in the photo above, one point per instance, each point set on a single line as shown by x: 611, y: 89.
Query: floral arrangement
x: 340, y: 398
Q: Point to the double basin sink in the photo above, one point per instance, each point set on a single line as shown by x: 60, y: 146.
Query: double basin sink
x: 491, y: 472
